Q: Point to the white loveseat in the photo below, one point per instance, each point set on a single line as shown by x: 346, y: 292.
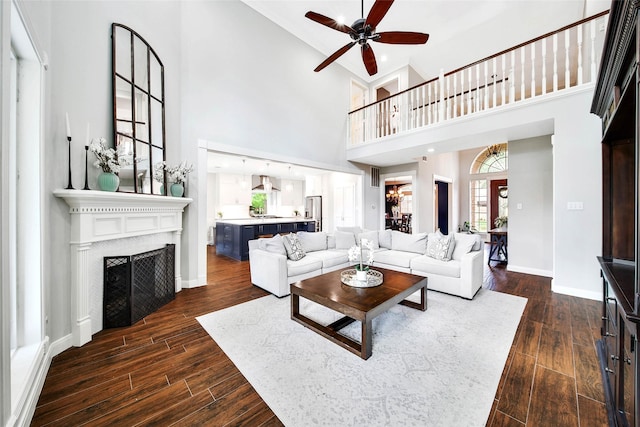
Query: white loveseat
x: 462, y: 275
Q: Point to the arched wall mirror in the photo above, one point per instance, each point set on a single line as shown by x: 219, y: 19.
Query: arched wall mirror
x: 138, y: 109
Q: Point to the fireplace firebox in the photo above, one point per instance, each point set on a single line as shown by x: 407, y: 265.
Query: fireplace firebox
x: 137, y: 285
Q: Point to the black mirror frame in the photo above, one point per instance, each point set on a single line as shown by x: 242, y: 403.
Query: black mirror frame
x: 134, y: 136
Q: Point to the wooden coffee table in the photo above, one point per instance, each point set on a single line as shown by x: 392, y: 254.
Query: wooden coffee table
x: 361, y: 304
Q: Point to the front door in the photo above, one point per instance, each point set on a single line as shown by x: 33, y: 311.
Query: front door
x: 498, y: 200
x: 442, y: 200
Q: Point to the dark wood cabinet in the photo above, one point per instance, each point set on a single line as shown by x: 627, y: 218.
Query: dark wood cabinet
x: 232, y: 237
x: 616, y: 102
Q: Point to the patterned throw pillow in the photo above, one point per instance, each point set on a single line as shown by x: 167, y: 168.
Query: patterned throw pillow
x: 294, y: 247
x: 440, y: 247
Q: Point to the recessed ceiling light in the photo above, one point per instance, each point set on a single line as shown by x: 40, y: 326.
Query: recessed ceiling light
x: 431, y: 150
x: 383, y: 58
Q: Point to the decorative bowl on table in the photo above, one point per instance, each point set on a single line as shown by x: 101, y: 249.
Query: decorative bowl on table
x: 374, y: 278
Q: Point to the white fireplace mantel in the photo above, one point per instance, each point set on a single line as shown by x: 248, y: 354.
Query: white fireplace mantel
x: 98, y: 216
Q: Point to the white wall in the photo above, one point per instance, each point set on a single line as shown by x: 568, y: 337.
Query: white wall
x: 531, y: 187
x: 444, y: 165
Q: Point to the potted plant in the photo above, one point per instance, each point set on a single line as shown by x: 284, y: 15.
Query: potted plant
x: 356, y: 255
x: 177, y: 175
x: 110, y: 162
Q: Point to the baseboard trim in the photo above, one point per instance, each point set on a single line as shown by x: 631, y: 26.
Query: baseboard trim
x: 26, y: 407
x: 581, y: 293
x: 188, y: 284
x: 528, y: 270
x: 60, y: 345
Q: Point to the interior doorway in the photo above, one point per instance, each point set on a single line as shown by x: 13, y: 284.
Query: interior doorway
x: 387, y: 109
x: 442, y: 206
x: 399, y: 203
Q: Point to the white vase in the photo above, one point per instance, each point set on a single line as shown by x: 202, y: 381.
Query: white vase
x: 361, y: 275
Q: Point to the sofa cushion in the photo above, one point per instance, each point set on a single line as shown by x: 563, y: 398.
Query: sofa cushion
x: 313, y: 241
x: 416, y: 243
x: 303, y: 266
x: 392, y: 257
x: 273, y: 244
x: 330, y: 258
x: 344, y: 239
x: 384, y: 239
x: 293, y: 247
x: 354, y: 230
x: 426, y: 264
x: 477, y: 240
x: 464, y: 244
x: 439, y: 246
x: 371, y: 236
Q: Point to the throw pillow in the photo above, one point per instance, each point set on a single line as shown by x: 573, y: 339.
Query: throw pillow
x: 354, y: 230
x: 294, y: 247
x: 464, y: 245
x: 452, y: 243
x: 371, y: 236
x: 384, y: 239
x: 415, y: 243
x: 344, y: 239
x: 273, y: 244
x: 313, y: 241
x: 438, y: 246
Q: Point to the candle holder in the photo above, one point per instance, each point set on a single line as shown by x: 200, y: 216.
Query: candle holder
x: 69, y: 187
x: 86, y: 166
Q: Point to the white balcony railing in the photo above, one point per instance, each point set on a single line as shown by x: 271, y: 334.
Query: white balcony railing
x: 548, y: 64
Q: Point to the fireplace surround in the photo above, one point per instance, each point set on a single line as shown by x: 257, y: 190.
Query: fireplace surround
x: 102, y: 224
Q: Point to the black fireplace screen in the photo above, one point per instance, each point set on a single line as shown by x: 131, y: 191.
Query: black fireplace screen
x: 137, y: 285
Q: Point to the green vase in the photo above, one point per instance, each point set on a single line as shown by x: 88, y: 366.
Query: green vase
x: 108, y: 181
x: 177, y: 190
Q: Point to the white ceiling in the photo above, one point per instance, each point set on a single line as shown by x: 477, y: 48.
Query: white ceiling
x: 461, y: 31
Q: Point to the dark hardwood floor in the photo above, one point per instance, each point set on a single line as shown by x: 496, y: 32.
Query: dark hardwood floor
x: 166, y: 370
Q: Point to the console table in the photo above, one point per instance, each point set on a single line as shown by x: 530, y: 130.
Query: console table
x: 498, y: 250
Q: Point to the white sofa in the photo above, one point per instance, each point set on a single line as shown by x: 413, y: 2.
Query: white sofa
x: 462, y: 275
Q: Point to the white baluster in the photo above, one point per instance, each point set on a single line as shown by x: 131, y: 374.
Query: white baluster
x: 441, y: 89
x: 429, y: 104
x: 544, y: 66
x: 493, y: 87
x: 522, y: 85
x: 477, y: 103
x: 555, y: 62
x: 533, y: 69
x: 469, y: 105
x: 512, y: 78
x: 421, y: 91
x: 567, y: 72
x: 413, y: 110
x: 503, y: 85
x: 579, y: 29
x: 486, y: 85
x: 455, y: 95
x: 447, y: 99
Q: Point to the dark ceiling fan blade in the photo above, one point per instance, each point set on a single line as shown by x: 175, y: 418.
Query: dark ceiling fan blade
x: 328, y: 22
x: 335, y: 56
x: 377, y: 12
x: 401, y: 37
x: 369, y: 59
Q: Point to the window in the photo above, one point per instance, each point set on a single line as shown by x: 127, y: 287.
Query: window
x: 478, y: 204
x: 492, y: 160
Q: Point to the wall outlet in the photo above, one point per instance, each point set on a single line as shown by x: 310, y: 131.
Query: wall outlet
x: 575, y: 206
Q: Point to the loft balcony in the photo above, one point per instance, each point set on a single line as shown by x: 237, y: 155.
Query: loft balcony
x: 557, y: 62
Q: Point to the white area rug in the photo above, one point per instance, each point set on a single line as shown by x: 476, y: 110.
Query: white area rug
x: 440, y: 367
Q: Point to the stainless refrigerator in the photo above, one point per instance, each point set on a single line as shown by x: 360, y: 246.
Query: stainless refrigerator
x: 313, y: 210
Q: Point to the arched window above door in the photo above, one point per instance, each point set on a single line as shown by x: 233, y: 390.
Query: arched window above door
x: 494, y: 158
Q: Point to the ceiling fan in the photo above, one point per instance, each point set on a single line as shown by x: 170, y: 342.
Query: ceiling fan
x: 364, y: 30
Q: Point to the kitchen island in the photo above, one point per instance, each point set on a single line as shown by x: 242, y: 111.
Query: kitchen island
x: 232, y: 235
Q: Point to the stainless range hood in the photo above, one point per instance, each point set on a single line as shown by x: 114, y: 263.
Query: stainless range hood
x: 265, y: 183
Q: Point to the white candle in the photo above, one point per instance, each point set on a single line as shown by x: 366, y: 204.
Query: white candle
x: 88, y: 133
x: 68, y: 127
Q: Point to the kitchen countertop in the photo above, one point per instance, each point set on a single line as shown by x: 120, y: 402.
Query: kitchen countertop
x: 258, y: 221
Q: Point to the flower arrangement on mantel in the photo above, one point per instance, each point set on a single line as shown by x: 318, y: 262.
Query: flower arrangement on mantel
x: 107, y: 158
x: 356, y: 255
x: 176, y: 174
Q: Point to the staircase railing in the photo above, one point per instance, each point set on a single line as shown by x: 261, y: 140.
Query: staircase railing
x: 548, y: 64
